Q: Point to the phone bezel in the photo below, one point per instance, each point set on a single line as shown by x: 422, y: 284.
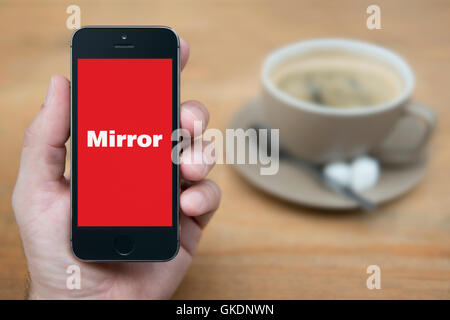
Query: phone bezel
x: 151, y: 243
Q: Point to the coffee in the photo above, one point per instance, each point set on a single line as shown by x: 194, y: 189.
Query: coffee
x: 338, y: 79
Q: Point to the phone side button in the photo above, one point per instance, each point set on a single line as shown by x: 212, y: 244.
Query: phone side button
x: 123, y: 245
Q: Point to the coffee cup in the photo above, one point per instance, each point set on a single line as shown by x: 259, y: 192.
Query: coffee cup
x: 336, y: 99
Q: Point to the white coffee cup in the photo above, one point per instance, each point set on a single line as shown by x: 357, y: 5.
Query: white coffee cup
x: 322, y: 134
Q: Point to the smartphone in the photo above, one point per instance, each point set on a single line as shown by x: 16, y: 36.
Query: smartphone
x: 124, y: 109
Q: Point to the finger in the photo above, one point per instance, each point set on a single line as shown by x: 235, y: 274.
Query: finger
x: 192, y: 114
x: 44, y: 153
x: 184, y: 48
x: 197, y: 160
x: 191, y: 233
x: 51, y: 125
x: 200, y: 201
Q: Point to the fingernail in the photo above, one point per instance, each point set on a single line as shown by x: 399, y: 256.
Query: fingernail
x: 208, y: 158
x: 197, y: 115
x: 197, y: 201
x: 209, y: 153
x: 50, y: 92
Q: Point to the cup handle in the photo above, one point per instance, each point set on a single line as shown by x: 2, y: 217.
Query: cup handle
x: 421, y: 114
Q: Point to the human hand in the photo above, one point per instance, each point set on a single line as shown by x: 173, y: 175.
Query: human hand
x: 41, y: 203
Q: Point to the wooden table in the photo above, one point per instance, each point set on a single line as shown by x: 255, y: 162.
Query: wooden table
x: 257, y: 246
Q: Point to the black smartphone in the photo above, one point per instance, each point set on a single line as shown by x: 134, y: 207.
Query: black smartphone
x: 124, y: 109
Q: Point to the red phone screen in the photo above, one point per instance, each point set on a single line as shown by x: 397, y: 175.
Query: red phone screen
x: 124, y: 142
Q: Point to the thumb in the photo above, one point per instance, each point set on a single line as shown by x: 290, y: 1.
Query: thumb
x: 44, y: 153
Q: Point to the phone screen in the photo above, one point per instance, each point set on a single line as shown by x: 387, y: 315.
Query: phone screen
x: 124, y: 142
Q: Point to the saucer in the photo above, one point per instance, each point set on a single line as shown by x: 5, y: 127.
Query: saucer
x: 294, y: 184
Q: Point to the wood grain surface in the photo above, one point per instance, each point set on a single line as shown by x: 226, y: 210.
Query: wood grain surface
x: 256, y: 246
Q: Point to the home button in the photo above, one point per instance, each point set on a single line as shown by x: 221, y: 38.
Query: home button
x: 124, y: 245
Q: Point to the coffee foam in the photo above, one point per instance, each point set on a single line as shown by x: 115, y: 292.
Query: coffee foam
x: 380, y: 80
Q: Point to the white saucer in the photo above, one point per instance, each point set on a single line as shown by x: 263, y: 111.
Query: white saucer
x: 295, y: 185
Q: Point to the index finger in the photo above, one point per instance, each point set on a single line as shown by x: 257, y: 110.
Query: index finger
x: 184, y: 52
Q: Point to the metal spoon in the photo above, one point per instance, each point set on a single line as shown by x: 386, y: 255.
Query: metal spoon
x: 316, y: 171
